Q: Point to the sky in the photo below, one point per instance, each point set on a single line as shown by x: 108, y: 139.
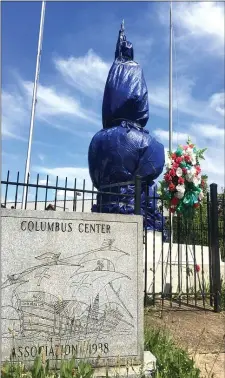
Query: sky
x: 78, y: 50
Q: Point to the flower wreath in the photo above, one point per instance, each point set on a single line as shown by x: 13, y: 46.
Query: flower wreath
x: 183, y: 185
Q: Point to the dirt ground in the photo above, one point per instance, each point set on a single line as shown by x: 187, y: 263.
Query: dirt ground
x: 200, y: 332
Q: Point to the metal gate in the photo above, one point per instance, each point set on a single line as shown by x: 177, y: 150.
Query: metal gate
x: 183, y: 270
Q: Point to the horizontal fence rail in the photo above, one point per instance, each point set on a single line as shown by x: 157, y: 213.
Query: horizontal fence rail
x: 179, y: 268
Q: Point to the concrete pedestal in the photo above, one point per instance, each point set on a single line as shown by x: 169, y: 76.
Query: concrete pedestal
x: 147, y: 369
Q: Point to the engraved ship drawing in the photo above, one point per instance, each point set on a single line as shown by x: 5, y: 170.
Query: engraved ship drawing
x: 91, y: 277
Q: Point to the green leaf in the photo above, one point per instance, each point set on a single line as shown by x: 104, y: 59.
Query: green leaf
x: 37, y: 367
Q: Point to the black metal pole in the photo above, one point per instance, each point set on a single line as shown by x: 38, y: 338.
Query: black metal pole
x: 210, y: 251
x: 137, y: 203
x: 215, y: 247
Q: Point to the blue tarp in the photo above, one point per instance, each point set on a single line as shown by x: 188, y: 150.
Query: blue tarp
x: 126, y: 94
x: 122, y: 152
x: 124, y: 148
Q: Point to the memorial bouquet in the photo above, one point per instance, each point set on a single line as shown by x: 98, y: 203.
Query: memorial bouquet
x: 183, y: 185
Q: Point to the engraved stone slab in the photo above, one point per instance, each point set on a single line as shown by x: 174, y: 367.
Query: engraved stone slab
x: 72, y: 284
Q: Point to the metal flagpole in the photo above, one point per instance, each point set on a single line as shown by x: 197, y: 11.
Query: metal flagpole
x: 171, y: 84
x: 34, y: 101
x: 171, y: 119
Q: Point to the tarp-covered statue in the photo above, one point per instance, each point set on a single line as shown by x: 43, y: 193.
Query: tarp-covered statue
x: 124, y: 149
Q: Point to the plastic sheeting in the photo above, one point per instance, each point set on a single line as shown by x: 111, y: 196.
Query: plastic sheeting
x: 126, y: 94
x: 124, y: 148
x: 122, y: 152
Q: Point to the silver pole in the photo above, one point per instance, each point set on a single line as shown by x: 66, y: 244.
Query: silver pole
x: 171, y: 84
x: 34, y: 101
x: 171, y: 110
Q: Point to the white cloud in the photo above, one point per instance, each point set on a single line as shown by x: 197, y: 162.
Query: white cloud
x: 13, y: 116
x: 72, y: 173
x: 216, y: 134
x: 201, y: 19
x: 217, y: 102
x: 163, y: 135
x: 51, y: 103
x: 44, y: 182
x: 184, y: 101
x: 41, y: 157
x: 198, y: 26
x: 87, y: 73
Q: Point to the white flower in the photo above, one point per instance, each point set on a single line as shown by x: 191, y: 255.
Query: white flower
x: 169, y: 164
x: 180, y: 191
x: 196, y: 181
x: 189, y: 151
x: 201, y: 195
x: 180, y: 188
x: 179, y: 195
x: 193, y: 171
x: 190, y: 174
x: 179, y: 172
x: 193, y: 160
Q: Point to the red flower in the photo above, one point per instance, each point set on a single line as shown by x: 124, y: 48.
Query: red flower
x: 181, y: 180
x: 179, y: 159
x: 172, y: 210
x: 196, y: 204
x: 173, y: 156
x: 187, y: 158
x: 171, y: 187
x: 184, y: 170
x: 172, y: 172
x: 198, y: 169
x: 191, y: 145
x: 167, y: 177
x: 197, y: 268
x: 175, y: 165
x: 174, y: 201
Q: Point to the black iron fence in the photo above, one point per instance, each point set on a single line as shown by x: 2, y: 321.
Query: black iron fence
x: 182, y: 269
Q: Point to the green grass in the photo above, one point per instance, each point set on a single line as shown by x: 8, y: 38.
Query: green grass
x: 172, y: 361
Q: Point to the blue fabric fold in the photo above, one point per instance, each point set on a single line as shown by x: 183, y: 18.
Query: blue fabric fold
x: 124, y: 149
x: 126, y: 94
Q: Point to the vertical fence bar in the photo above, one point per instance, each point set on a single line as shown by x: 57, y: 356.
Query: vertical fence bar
x: 195, y: 273
x: 27, y: 189
x: 146, y: 247
x: 64, y: 201
x: 178, y: 259
x: 92, y: 196
x: 187, y: 261
x: 118, y: 200
x: 137, y: 198
x: 202, y: 258
x: 215, y: 247
x: 56, y: 189
x: 46, y: 192
x: 223, y: 230
x: 163, y: 274
x: 17, y: 186
x: 36, y: 193
x: 75, y: 196
x: 170, y: 253
x: 210, y: 250
x: 100, y: 201
x: 83, y: 195
x: 6, y: 188
x: 153, y: 268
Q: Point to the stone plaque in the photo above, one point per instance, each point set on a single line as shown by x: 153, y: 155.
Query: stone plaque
x: 72, y: 283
